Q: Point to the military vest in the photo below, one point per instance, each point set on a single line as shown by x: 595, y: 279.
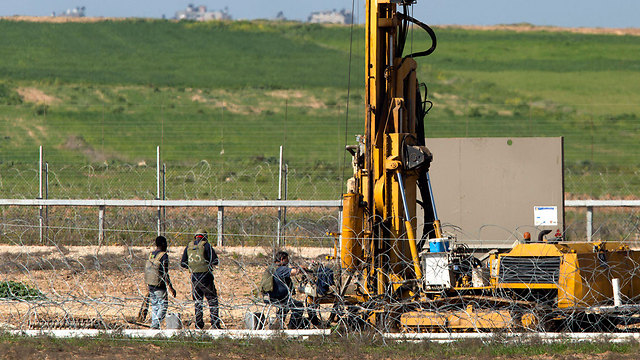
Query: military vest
x: 197, y: 262
x: 152, y: 269
x: 266, y: 282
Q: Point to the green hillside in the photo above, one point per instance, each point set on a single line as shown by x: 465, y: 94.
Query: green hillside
x: 221, y: 97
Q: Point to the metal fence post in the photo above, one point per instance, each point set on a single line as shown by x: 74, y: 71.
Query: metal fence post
x: 589, y: 223
x: 41, y: 215
x: 164, y: 197
x: 159, y: 215
x: 339, y: 233
x: 46, y: 196
x: 220, y: 225
x: 101, y: 225
x: 284, y: 209
x: 279, y: 242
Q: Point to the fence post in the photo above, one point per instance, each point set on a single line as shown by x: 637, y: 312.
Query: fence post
x: 40, y: 195
x: 220, y: 225
x: 100, y: 225
x: 589, y: 223
x: 159, y: 227
x: 46, y: 196
x: 279, y: 242
x: 340, y: 234
x: 286, y: 197
x: 164, y: 197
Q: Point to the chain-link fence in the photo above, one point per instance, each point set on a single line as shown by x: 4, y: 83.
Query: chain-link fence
x: 216, y: 148
x: 208, y: 150
x: 82, y: 275
x: 73, y: 266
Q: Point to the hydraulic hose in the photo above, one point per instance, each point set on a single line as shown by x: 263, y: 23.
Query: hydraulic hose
x: 426, y: 28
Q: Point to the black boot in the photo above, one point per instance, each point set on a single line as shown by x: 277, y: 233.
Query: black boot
x: 315, y: 321
x: 216, y: 324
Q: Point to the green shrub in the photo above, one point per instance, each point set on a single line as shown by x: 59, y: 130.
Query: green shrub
x: 8, y: 96
x: 14, y: 290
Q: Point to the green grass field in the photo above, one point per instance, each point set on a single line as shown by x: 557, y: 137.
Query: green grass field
x: 221, y: 97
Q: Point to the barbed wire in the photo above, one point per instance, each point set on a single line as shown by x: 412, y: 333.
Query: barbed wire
x: 69, y: 278
x: 72, y: 281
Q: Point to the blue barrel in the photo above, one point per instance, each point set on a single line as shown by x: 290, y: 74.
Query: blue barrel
x: 438, y: 245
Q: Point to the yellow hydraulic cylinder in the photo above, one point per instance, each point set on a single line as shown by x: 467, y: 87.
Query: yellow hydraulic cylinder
x: 352, y: 216
x: 411, y: 237
x: 437, y: 229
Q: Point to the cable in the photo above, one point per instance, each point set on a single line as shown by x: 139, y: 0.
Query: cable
x: 346, y: 121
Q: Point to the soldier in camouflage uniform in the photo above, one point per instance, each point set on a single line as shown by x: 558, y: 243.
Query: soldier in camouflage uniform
x: 199, y: 257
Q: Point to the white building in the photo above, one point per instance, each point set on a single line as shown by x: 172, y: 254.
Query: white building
x: 200, y: 13
x: 78, y: 11
x: 331, y: 17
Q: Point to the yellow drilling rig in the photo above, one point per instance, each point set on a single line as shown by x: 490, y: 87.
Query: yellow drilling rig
x: 393, y: 281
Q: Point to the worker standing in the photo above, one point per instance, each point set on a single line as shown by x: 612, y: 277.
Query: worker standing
x: 156, y: 275
x: 199, y: 257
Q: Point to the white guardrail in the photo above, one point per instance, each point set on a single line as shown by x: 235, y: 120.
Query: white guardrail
x: 160, y: 204
x: 221, y: 204
x: 590, y: 204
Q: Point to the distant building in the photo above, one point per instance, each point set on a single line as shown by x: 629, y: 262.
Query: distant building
x: 200, y: 13
x: 78, y: 11
x: 330, y: 17
x: 280, y: 16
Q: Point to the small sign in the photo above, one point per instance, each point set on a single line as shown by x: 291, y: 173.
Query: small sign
x: 545, y: 215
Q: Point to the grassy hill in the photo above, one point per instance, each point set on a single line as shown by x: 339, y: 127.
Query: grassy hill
x: 221, y: 97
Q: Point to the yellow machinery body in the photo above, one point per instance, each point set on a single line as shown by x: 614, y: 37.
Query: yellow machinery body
x: 578, y: 274
x: 381, y: 259
x: 538, y: 282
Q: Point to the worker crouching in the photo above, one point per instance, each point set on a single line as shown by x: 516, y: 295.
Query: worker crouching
x: 199, y: 257
x: 279, y: 288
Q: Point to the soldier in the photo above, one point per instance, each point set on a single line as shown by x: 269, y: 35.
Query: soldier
x: 199, y: 257
x: 156, y: 275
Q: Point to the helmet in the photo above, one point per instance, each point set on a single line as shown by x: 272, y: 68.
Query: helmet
x: 526, y: 235
x: 200, y: 232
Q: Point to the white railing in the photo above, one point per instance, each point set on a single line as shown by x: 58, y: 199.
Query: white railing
x: 590, y: 204
x: 161, y: 204
x: 221, y: 204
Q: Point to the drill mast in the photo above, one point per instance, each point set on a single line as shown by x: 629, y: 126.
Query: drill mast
x: 379, y: 224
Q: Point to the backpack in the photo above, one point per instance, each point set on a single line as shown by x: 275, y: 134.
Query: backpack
x: 197, y: 262
x: 152, y: 269
x: 266, y: 283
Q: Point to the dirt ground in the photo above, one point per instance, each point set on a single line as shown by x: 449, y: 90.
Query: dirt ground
x: 60, y: 19
x: 528, y: 27
x: 89, y: 284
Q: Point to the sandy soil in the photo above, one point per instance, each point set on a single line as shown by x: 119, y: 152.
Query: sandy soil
x: 33, y: 95
x: 60, y: 19
x: 527, y: 27
x: 106, y: 283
